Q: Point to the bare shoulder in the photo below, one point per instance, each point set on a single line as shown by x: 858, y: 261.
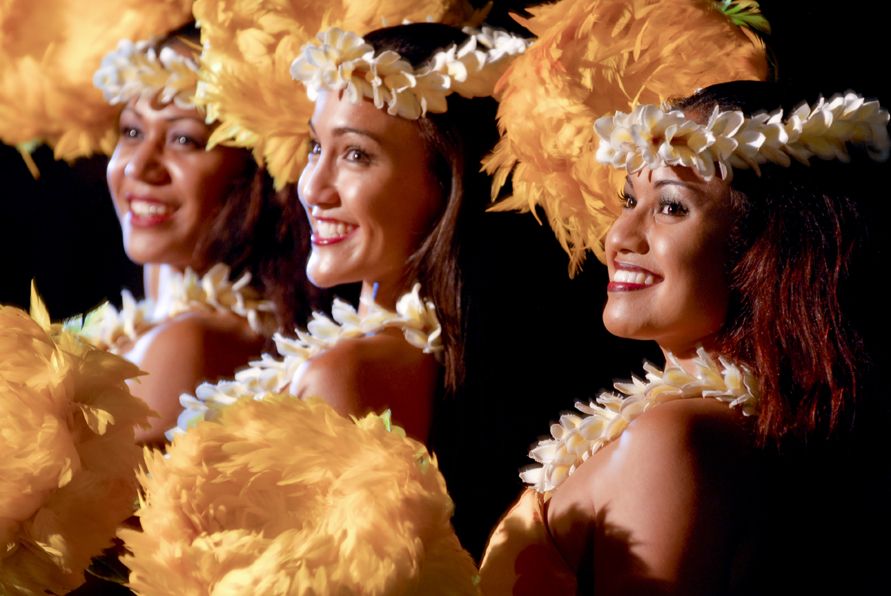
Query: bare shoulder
x: 694, y: 429
x: 374, y: 373
x: 182, y: 353
x: 669, y: 501
x: 213, y: 343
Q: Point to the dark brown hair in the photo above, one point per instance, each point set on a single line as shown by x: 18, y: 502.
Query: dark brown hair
x: 801, y: 252
x: 456, y: 141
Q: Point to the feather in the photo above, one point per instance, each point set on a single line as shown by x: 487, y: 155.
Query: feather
x: 594, y: 57
x: 286, y: 496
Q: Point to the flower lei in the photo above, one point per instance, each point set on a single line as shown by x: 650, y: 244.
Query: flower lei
x: 576, y: 438
x: 273, y: 374
x: 108, y: 328
x: 344, y: 62
x: 137, y: 69
x: 652, y: 137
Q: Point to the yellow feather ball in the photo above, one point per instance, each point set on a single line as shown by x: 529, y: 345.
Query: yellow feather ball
x: 284, y: 496
x: 67, y: 471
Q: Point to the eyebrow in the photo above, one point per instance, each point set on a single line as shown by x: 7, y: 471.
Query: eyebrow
x: 167, y: 119
x: 661, y: 183
x: 342, y: 130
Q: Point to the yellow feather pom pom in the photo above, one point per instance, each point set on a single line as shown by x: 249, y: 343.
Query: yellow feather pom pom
x: 49, y: 51
x: 246, y: 83
x: 67, y: 471
x: 286, y: 496
x: 593, y: 57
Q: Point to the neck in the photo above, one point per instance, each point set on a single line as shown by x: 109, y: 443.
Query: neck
x: 163, y: 279
x: 150, y: 280
x: 381, y: 293
x: 685, y: 354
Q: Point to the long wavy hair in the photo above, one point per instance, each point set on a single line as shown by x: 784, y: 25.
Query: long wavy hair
x: 803, y: 309
x: 456, y: 142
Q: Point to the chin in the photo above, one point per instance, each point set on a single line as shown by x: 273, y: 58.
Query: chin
x: 324, y: 279
x: 620, y: 323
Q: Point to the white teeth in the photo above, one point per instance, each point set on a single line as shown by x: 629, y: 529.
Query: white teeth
x: 331, y: 229
x: 149, y: 208
x: 633, y: 277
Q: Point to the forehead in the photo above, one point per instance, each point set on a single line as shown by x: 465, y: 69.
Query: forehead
x: 682, y: 180
x: 151, y: 108
x: 335, y: 113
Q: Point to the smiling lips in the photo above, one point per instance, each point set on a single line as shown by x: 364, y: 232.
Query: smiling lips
x: 630, y: 278
x: 146, y: 212
x: 330, y: 231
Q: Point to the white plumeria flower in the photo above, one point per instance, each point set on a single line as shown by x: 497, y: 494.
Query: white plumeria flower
x: 649, y: 136
x: 344, y: 62
x: 576, y: 438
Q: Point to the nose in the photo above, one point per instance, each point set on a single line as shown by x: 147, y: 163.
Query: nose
x: 316, y: 185
x: 146, y: 164
x: 628, y: 234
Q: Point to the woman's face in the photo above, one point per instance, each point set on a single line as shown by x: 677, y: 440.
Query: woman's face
x: 667, y: 255
x: 368, y: 192
x: 166, y: 187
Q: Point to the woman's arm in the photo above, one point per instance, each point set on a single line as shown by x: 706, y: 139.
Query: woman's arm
x: 666, y: 509
x: 372, y: 374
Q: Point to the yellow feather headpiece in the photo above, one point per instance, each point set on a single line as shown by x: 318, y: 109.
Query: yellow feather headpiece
x: 248, y: 49
x: 594, y: 57
x: 49, y: 51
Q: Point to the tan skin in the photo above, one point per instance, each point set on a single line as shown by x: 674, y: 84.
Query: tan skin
x: 165, y: 187
x: 666, y: 508
x: 370, y: 199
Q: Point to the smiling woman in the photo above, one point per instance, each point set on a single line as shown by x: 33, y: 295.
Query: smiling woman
x: 164, y: 185
x: 666, y: 257
x: 745, y: 243
x: 194, y: 216
x: 390, y: 185
x: 368, y: 193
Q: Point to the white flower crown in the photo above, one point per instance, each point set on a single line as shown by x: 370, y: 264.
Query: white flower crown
x: 652, y: 137
x: 344, y: 62
x: 136, y: 69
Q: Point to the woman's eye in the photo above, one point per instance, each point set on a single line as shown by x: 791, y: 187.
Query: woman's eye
x: 357, y: 155
x: 626, y: 200
x: 672, y: 208
x: 130, y: 132
x: 314, y: 147
x: 186, y: 141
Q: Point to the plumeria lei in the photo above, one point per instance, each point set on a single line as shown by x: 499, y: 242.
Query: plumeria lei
x: 343, y: 61
x: 415, y: 316
x: 651, y: 136
x: 576, y: 438
x: 108, y: 328
x: 137, y: 69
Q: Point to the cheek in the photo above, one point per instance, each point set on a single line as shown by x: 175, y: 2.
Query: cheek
x: 114, y: 175
x: 704, y: 285
x: 205, y: 184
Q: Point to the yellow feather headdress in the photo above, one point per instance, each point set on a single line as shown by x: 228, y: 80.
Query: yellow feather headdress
x: 248, y: 49
x: 594, y: 57
x: 49, y: 51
